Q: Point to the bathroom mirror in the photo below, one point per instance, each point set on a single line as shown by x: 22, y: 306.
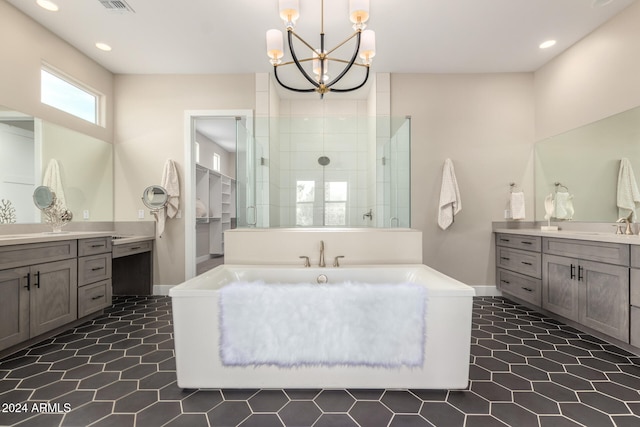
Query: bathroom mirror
x: 43, y: 197
x: 586, y: 161
x: 155, y: 197
x: 28, y: 144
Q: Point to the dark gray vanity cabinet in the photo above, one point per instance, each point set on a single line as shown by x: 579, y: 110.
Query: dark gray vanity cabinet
x: 588, y: 282
x: 38, y: 289
x: 634, y: 297
x: 94, y: 275
x: 518, y: 266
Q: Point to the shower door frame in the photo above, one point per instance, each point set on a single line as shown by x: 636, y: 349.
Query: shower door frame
x: 190, y: 117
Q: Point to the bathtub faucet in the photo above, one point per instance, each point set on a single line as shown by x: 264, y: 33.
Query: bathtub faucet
x: 322, y: 264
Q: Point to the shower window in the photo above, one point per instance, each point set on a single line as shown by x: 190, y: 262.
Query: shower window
x: 305, y: 198
x: 335, y: 206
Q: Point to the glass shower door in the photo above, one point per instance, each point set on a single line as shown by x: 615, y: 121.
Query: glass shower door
x: 247, y: 215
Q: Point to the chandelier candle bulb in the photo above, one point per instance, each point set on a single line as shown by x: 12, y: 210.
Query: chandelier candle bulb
x: 275, y: 46
x: 289, y: 10
x: 359, y: 11
x: 368, y: 45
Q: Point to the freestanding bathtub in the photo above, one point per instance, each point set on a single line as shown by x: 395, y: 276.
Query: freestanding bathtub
x: 447, y: 341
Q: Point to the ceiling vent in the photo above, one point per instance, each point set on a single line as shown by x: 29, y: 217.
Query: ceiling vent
x: 117, y: 6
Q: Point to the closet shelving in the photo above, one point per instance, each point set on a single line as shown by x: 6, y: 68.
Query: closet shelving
x: 217, y: 193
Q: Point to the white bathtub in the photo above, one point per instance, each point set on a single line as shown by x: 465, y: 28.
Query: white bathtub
x: 447, y: 345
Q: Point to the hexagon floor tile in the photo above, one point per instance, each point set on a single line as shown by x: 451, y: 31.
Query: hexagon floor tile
x: 119, y: 370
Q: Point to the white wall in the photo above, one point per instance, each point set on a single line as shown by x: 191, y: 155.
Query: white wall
x: 150, y: 129
x: 595, y: 78
x: 485, y: 124
x: 24, y: 46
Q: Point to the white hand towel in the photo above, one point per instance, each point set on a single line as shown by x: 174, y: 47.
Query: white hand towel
x: 517, y: 205
x: 171, y: 183
x: 450, y: 202
x: 628, y: 194
x: 563, y: 205
x: 53, y: 180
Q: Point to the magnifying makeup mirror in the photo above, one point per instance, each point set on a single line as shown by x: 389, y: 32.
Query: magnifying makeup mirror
x: 44, y: 197
x: 155, y: 197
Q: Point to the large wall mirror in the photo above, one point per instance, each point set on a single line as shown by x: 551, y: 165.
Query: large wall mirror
x: 85, y: 165
x: 586, y: 161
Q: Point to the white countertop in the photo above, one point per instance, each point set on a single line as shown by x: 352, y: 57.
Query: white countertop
x: 20, y: 239
x: 597, y: 236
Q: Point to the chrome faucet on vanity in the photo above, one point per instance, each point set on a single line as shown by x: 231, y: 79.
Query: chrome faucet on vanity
x: 627, y: 221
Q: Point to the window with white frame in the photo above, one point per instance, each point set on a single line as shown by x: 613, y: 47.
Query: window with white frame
x: 305, y: 197
x: 65, y: 94
x: 216, y: 162
x: 335, y: 203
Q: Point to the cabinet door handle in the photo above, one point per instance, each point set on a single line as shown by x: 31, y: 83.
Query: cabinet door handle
x: 98, y: 246
x: 97, y: 297
x: 572, y: 274
x: 28, y: 277
x: 504, y: 240
x: 526, y: 263
x: 528, y: 289
x: 97, y: 268
x: 505, y: 281
x: 135, y: 248
x: 526, y: 243
x: 580, y: 271
x: 505, y: 258
x: 38, y: 279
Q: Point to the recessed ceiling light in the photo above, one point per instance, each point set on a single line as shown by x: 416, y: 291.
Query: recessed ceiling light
x: 103, y: 46
x: 547, y: 44
x: 48, y: 5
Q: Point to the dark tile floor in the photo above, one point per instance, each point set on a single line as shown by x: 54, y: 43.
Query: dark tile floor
x: 119, y: 370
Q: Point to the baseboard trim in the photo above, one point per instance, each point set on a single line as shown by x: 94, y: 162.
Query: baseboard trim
x: 161, y: 289
x: 487, y: 291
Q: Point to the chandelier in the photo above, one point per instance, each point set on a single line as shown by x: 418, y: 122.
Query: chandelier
x: 319, y: 58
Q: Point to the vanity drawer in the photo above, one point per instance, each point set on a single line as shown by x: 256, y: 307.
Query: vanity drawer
x: 635, y: 256
x: 518, y: 241
x: 132, y: 248
x: 94, y: 297
x: 95, y: 246
x: 524, y: 287
x: 36, y: 253
x: 611, y: 253
x: 94, y: 268
x: 524, y: 262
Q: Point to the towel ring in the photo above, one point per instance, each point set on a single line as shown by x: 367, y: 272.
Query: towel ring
x: 512, y: 186
x: 559, y: 186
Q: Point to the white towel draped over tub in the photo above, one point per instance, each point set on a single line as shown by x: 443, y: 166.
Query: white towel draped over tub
x: 628, y: 194
x: 53, y: 180
x: 171, y: 183
x: 289, y: 325
x: 450, y: 202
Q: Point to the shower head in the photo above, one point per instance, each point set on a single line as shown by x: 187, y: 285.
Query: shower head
x: 324, y: 160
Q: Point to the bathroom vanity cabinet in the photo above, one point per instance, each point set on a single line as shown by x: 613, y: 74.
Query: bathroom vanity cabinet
x: 44, y: 286
x: 634, y: 297
x: 519, y: 268
x: 587, y: 282
x: 38, y: 289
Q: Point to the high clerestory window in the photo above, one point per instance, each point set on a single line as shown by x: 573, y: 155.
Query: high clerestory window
x: 62, y: 92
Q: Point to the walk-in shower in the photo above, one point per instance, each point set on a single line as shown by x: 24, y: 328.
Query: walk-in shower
x: 325, y: 171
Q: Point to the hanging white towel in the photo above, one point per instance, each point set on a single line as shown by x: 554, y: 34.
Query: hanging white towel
x: 628, y: 194
x: 171, y: 183
x: 517, y: 205
x: 53, y: 180
x: 450, y: 202
x: 563, y: 206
